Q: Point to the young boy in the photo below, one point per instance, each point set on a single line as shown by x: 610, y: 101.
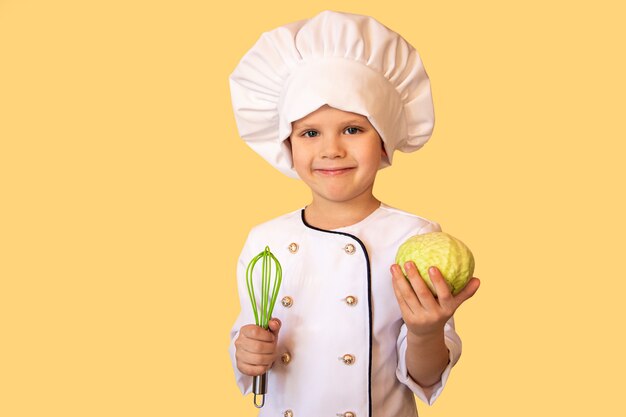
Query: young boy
x: 328, y: 100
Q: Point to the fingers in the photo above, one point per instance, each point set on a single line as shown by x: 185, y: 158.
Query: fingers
x: 255, y: 359
x: 250, y: 366
x: 253, y: 362
x: 407, y: 300
x: 254, y: 332
x: 442, y: 289
x: 256, y: 348
x: 274, y: 326
x: 421, y: 290
x: 467, y: 292
x: 257, y: 340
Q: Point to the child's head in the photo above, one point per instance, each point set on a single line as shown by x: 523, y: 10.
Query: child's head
x: 336, y: 153
x: 342, y: 61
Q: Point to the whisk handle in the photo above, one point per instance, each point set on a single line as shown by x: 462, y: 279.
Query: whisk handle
x: 259, y: 389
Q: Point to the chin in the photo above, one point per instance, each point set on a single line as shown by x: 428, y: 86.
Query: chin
x: 338, y: 197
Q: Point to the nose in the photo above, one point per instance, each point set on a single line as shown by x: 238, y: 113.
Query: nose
x: 331, y: 147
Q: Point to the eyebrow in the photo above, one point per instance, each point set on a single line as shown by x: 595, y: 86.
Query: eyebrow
x: 345, y: 122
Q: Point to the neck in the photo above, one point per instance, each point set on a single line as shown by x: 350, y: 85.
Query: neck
x: 329, y: 215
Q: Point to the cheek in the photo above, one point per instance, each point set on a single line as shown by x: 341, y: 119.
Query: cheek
x: 373, y: 156
x: 298, y: 159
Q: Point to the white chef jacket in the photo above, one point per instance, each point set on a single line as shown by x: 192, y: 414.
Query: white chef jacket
x: 342, y: 343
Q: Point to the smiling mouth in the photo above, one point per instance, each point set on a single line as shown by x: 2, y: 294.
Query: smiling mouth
x: 333, y: 171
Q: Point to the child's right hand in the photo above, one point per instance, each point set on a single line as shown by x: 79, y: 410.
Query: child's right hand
x: 255, y: 348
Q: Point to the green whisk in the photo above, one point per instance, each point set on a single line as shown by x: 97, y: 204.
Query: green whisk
x: 263, y: 312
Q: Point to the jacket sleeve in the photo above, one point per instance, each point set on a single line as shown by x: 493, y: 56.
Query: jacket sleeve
x: 452, y: 341
x: 430, y: 394
x: 246, y: 316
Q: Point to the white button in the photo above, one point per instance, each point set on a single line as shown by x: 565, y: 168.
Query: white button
x: 349, y: 248
x: 293, y: 247
x: 287, y: 301
x: 351, y: 300
x: 348, y: 359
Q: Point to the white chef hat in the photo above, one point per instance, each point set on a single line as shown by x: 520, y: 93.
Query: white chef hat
x: 347, y: 61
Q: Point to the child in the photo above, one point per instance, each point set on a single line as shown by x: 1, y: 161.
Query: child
x: 328, y: 100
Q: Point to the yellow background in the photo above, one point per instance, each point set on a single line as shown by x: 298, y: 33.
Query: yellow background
x: 126, y: 195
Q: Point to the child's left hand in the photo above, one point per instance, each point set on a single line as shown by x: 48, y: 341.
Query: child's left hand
x: 423, y: 313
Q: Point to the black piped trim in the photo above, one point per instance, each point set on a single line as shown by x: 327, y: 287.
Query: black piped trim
x: 369, y: 298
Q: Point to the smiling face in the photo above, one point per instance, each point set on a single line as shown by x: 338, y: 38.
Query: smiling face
x: 337, y: 154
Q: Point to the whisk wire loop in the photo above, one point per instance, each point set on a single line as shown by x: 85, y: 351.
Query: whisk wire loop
x: 263, y: 314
